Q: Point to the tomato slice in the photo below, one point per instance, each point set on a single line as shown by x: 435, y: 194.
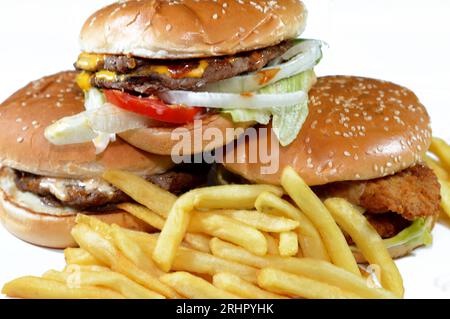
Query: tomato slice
x: 153, y: 107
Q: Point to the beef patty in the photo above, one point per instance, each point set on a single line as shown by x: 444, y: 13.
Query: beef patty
x: 391, y: 202
x: 97, y: 194
x: 136, y: 75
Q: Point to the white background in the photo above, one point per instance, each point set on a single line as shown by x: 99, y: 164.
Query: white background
x: 404, y: 41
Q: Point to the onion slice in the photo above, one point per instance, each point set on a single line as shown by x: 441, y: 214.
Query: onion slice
x: 232, y: 100
x: 98, y: 125
x: 301, y: 57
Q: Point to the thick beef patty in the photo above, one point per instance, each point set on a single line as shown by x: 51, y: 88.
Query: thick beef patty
x: 139, y: 76
x: 391, y: 202
x: 96, y: 194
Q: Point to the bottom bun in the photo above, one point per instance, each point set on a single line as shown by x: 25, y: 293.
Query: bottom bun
x: 54, y: 231
x: 400, y: 250
x: 165, y: 140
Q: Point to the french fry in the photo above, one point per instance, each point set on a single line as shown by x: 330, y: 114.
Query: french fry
x: 445, y: 196
x: 105, y: 251
x: 229, y: 229
x: 96, y: 225
x: 80, y: 257
x: 437, y: 168
x: 315, y: 269
x: 442, y: 150
x: 309, y: 238
x: 239, y: 287
x: 71, y: 268
x: 272, y: 245
x: 40, y: 288
x: 173, y: 231
x: 288, y: 244
x: 218, y: 225
x: 286, y: 283
x: 261, y: 221
x: 198, y: 242
x: 111, y: 280
x: 195, y: 261
x: 232, y: 196
x: 155, y: 198
x: 368, y: 241
x: 144, y: 214
x: 195, y: 287
x: 133, y: 251
x: 312, y: 206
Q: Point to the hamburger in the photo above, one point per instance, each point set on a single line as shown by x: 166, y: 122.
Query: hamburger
x: 152, y: 68
x: 364, y: 141
x: 43, y: 187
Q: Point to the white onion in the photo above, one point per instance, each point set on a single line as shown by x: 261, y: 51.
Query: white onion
x: 111, y: 119
x: 232, y: 100
x: 70, y: 130
x: 304, y: 57
x: 98, y: 125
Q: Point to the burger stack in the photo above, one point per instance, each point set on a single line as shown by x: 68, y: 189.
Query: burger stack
x: 150, y: 69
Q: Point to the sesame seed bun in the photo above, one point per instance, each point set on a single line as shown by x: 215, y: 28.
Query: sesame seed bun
x: 23, y: 146
x: 357, y: 129
x: 167, y: 29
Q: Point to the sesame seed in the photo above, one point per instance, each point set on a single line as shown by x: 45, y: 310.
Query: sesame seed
x: 347, y: 153
x: 20, y: 140
x: 168, y: 27
x: 215, y: 16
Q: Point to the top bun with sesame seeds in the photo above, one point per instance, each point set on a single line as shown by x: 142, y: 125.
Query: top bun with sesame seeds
x: 177, y: 29
x: 23, y: 146
x: 357, y: 129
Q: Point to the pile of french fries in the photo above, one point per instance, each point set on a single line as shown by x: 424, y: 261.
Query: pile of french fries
x: 440, y: 164
x: 233, y: 241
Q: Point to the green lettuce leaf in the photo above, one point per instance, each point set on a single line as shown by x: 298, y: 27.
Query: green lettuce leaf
x: 418, y: 233
x: 287, y: 121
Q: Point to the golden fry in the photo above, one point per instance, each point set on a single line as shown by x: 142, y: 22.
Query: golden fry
x: 286, y: 283
x: 368, y: 241
x: 229, y: 229
x: 437, y: 168
x: 195, y: 287
x: 198, y: 242
x: 239, y: 287
x: 312, y: 206
x: 445, y: 196
x: 315, y: 269
x: 155, y: 198
x: 288, y: 244
x: 232, y: 196
x: 134, y: 252
x: 309, y: 238
x: 442, y: 150
x: 272, y: 245
x: 109, y: 279
x: 173, y: 231
x: 144, y: 214
x: 40, y: 288
x: 195, y: 261
x: 78, y: 256
x: 261, y: 221
x: 105, y: 251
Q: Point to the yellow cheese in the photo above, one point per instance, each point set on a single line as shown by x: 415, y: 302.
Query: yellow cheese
x: 84, y: 80
x: 107, y: 76
x: 89, y: 62
x: 198, y: 71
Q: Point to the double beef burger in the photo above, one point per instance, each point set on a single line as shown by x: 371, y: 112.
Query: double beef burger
x: 43, y: 186
x: 151, y: 67
x: 364, y: 141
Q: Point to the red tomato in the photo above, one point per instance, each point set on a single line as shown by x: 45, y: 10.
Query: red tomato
x: 153, y: 107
